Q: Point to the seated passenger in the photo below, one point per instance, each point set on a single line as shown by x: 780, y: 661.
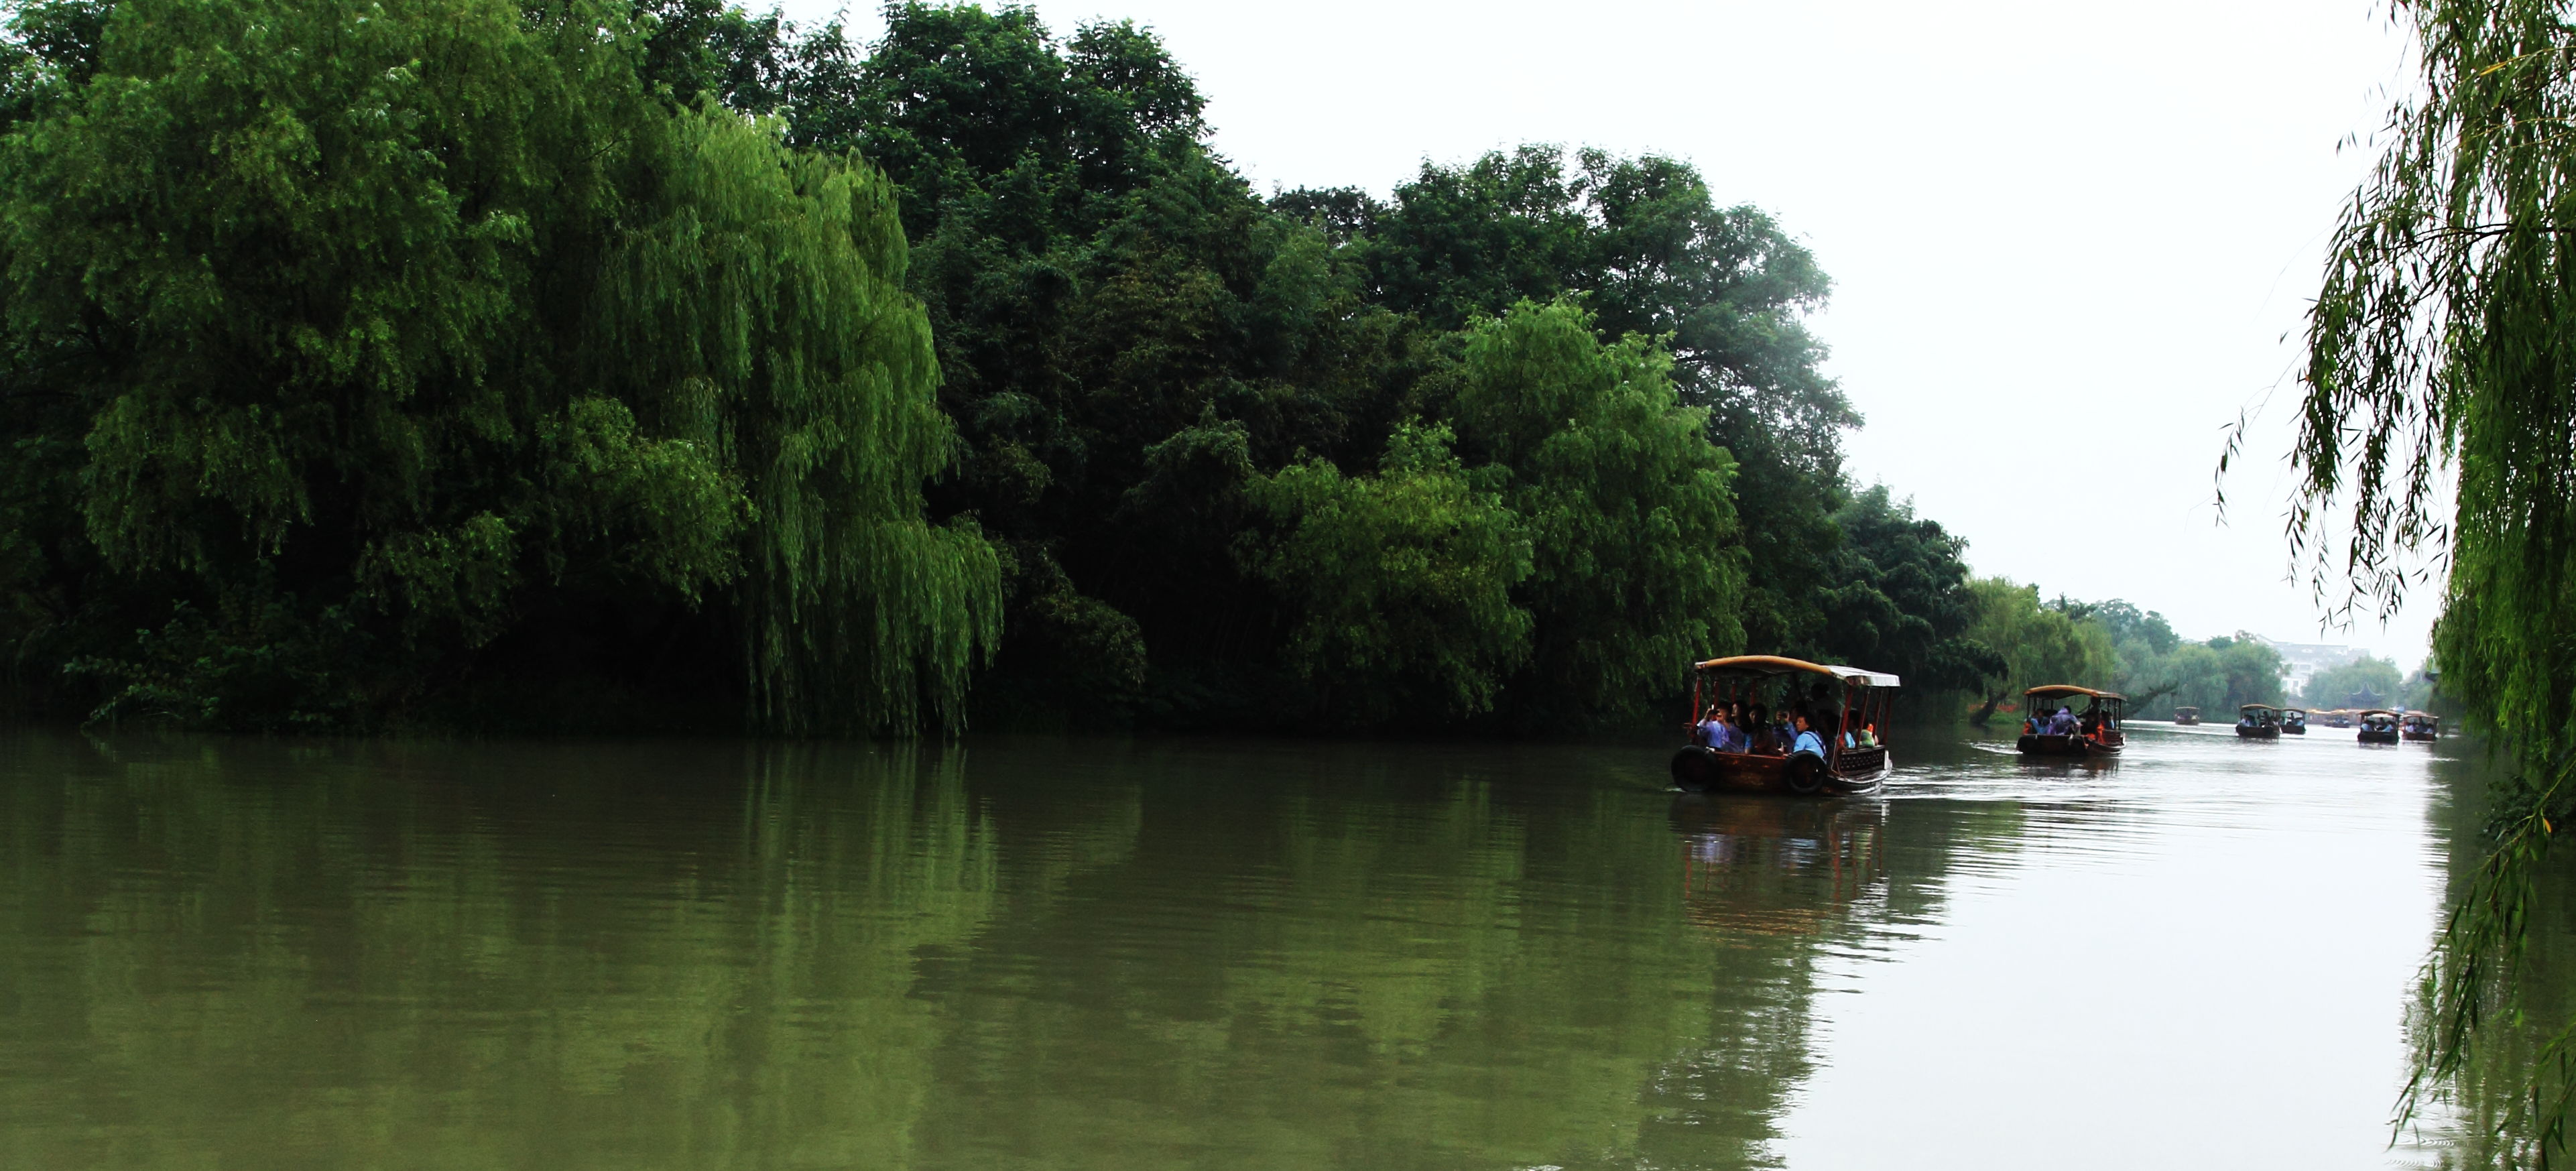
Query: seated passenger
x: 1807, y: 741
x: 1869, y: 735
x: 1712, y: 728
x: 2062, y: 724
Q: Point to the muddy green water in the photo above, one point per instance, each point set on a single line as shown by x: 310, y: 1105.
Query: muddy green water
x: 1205, y: 954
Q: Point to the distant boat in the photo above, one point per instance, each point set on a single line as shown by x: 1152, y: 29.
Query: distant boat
x: 2294, y: 721
x: 2186, y: 715
x: 2097, y: 726
x: 2258, y: 721
x: 2420, y: 726
x: 2337, y: 718
x: 2378, y: 726
x: 1845, y: 706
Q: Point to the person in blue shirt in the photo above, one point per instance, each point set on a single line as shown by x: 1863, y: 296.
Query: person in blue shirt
x: 1712, y: 730
x: 1808, y: 742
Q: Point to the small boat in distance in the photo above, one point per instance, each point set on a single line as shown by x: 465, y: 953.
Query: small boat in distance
x: 2338, y: 718
x: 2294, y: 721
x: 2095, y: 731
x: 1844, y: 706
x: 2377, y: 727
x: 2186, y: 715
x: 2258, y: 721
x: 2419, y: 726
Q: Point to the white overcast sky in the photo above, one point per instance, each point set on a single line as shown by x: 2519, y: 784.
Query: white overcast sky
x: 2070, y: 242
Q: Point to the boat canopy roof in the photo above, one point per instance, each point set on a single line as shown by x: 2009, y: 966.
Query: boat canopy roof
x: 2071, y: 689
x: 1765, y: 666
x: 2299, y: 710
x: 2260, y: 707
x: 2379, y: 711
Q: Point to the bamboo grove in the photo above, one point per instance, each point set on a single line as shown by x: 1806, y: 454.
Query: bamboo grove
x: 567, y: 364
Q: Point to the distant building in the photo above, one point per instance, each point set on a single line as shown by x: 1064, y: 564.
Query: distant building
x: 2364, y: 700
x: 2300, y: 661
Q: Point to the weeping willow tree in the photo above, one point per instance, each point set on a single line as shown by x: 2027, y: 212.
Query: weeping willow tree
x: 401, y: 316
x: 2443, y: 356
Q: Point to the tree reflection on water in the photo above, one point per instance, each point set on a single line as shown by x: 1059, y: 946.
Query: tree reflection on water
x: 1019, y: 953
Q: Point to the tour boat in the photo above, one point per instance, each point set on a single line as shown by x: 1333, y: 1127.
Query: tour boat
x: 1845, y: 706
x: 2338, y: 718
x: 2294, y: 721
x: 2258, y: 721
x: 2422, y: 726
x: 2186, y: 715
x: 2377, y: 727
x: 2097, y: 726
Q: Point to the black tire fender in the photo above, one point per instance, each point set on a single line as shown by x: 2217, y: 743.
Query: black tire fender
x: 1695, y: 769
x: 1806, y: 773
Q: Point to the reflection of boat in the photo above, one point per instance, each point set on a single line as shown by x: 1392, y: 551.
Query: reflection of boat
x: 1845, y: 707
x: 2377, y: 727
x: 2186, y: 715
x: 2258, y: 721
x: 2097, y: 726
x: 2420, y: 726
x: 2294, y: 722
x: 1775, y: 867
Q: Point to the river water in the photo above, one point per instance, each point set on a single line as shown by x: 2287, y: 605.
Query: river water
x: 1043, y: 953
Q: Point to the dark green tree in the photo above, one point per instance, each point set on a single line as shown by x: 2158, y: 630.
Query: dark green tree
x: 404, y: 321
x: 1637, y: 567
x: 1901, y: 602
x: 1648, y: 249
x: 1402, y: 582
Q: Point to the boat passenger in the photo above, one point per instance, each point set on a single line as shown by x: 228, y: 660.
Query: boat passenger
x: 1757, y: 730
x: 2063, y: 723
x: 1808, y: 742
x: 1869, y: 735
x: 1712, y: 728
x: 1723, y: 735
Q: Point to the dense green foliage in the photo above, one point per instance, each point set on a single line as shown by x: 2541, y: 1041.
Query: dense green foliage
x: 2041, y: 643
x: 2115, y: 646
x: 542, y: 366
x: 1402, y: 582
x: 2440, y: 349
x: 2330, y: 687
x: 371, y: 338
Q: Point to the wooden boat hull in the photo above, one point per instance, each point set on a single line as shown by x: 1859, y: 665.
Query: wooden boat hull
x: 2419, y: 737
x: 1855, y: 772
x: 2246, y: 733
x: 2301, y: 730
x: 2367, y: 736
x: 2050, y: 745
x: 2186, y: 722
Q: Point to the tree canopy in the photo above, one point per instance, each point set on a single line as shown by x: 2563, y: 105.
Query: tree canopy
x: 359, y: 334
x: 588, y: 365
